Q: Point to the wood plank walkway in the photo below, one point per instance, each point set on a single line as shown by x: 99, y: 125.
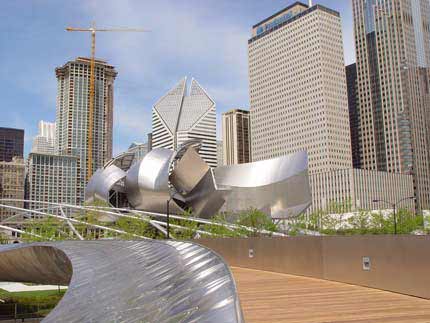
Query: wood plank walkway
x: 272, y: 297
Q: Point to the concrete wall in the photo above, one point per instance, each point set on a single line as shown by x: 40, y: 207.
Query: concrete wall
x: 397, y: 263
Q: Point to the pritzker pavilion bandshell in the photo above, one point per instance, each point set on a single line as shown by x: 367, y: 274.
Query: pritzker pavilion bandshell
x: 279, y: 187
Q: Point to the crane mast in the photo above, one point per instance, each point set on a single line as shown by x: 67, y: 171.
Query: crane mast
x: 92, y: 91
x: 91, y: 106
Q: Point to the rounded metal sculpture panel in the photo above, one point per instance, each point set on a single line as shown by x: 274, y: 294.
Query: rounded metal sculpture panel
x: 147, y: 182
x: 102, y: 182
x: 278, y: 186
x: 262, y: 173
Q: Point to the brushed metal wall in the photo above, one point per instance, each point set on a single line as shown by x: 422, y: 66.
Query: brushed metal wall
x: 399, y: 264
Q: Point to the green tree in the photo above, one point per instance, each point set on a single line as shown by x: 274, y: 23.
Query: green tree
x: 408, y: 222
x: 359, y: 224
x: 45, y: 229
x: 140, y: 227
x: 3, y: 238
x: 258, y: 221
x: 95, y: 216
x: 221, y: 227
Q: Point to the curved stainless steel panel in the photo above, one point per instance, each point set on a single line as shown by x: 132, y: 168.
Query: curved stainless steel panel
x: 263, y: 172
x: 188, y: 171
x: 102, y: 182
x: 205, y: 200
x: 194, y: 179
x: 278, y: 186
x: 90, y: 190
x: 128, y: 281
x: 147, y: 182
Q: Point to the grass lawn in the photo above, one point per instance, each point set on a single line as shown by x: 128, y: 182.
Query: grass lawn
x: 39, y: 294
x: 32, y: 303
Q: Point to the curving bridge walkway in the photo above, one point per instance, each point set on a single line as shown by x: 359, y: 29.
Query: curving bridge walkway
x: 171, y: 281
x: 128, y: 281
x: 272, y: 297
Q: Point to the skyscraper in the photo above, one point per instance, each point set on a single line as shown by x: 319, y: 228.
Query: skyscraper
x: 393, y: 59
x: 299, y: 102
x: 178, y: 117
x: 72, y: 122
x: 11, y: 143
x: 351, y: 83
x: 297, y: 87
x: 235, y: 137
x: 44, y: 142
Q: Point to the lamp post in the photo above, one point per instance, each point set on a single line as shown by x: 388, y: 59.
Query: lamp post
x: 394, y: 206
x: 168, y: 218
x: 172, y: 195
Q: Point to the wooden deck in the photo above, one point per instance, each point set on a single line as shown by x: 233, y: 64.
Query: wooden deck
x: 272, y: 297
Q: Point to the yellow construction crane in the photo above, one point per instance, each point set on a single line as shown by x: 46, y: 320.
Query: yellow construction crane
x: 93, y: 31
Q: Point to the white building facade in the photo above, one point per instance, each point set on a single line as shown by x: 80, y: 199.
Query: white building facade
x: 52, y: 178
x: 298, y: 89
x: 44, y: 142
x: 178, y: 117
x: 347, y: 190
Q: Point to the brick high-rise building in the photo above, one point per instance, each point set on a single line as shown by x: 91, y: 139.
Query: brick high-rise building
x: 236, y: 137
x: 12, y: 176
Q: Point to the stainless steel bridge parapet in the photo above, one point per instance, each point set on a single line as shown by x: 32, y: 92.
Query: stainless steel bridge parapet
x: 128, y: 281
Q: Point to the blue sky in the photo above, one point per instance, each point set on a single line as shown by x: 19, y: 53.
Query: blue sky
x: 204, y: 39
